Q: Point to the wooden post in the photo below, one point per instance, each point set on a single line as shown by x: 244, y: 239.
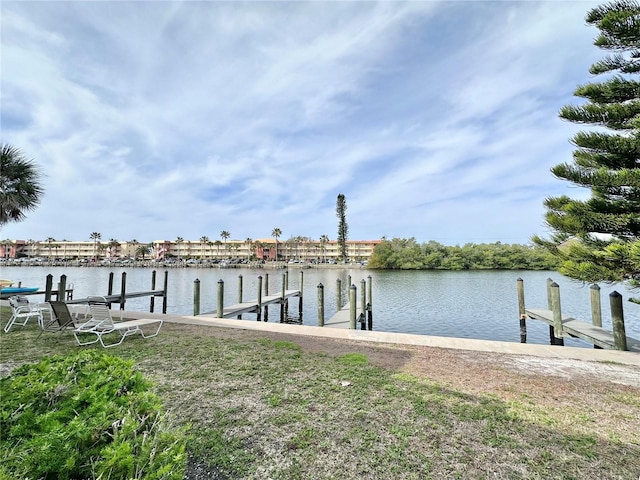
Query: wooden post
x: 617, y: 318
x: 123, y: 291
x: 369, y: 290
x: 48, y: 287
x: 320, y: 305
x: 259, y: 312
x: 301, y: 287
x: 596, y: 307
x: 266, y: 294
x: 164, y: 292
x: 62, y: 287
x: 552, y: 334
x: 282, y: 306
x: 220, y: 310
x: 196, y: 297
x: 557, y: 314
x: 369, y: 317
x: 239, y: 292
x: 286, y: 282
x: 523, y: 316
x: 352, y: 306
x: 338, y: 294
x: 363, y: 297
x: 152, y: 301
x: 110, y: 289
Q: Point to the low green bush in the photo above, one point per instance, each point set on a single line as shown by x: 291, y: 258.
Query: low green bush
x: 86, y: 415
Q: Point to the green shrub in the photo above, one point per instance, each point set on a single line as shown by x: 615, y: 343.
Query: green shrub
x: 86, y: 415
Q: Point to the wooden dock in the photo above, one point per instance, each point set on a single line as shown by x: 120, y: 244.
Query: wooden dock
x: 252, y: 306
x: 582, y: 330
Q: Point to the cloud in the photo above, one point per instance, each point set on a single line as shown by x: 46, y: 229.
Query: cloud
x: 153, y: 120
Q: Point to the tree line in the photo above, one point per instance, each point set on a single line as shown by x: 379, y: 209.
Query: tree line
x: 408, y: 254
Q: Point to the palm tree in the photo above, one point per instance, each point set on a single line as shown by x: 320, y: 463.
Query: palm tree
x: 249, y: 242
x: 95, y: 236
x: 276, y: 233
x: 20, y: 188
x: 113, y: 245
x: 324, y: 239
x: 142, y: 251
x: 224, y: 234
x: 179, y: 241
x: 218, y: 243
x: 50, y: 241
x: 203, y: 243
x: 134, y: 243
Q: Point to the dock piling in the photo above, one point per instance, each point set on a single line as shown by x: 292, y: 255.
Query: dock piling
x: 240, y: 293
x: 196, y: 297
x: 259, y: 311
x: 521, y: 312
x: 617, y: 318
x: 320, y: 305
x: 220, y: 306
x: 557, y: 314
x: 352, y: 307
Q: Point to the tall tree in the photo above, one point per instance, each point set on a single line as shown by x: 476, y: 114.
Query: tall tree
x: 225, y: 235
x: 20, y: 188
x: 95, y: 236
x: 343, y: 228
x: 179, y: 242
x: 599, y: 239
x: 324, y: 239
x: 204, y: 240
x: 276, y: 233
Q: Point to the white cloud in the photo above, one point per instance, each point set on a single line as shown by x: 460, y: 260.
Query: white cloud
x: 153, y: 120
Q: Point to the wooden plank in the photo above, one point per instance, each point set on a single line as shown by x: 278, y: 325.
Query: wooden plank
x: 342, y: 318
x: 583, y: 330
x: 251, y: 306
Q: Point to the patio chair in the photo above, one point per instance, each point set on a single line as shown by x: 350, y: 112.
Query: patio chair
x: 61, y: 318
x: 22, y: 310
x: 102, y: 324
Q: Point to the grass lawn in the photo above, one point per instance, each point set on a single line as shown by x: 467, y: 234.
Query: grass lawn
x: 262, y: 405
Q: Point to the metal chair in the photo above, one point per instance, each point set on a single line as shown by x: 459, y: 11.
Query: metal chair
x: 22, y: 310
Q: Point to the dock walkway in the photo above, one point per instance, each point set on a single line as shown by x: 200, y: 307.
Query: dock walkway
x: 342, y: 318
x: 583, y: 330
x: 252, y: 305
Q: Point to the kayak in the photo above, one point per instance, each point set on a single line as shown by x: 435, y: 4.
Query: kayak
x: 19, y: 289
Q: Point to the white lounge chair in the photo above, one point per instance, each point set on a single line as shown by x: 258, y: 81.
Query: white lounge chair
x: 102, y: 324
x: 22, y: 310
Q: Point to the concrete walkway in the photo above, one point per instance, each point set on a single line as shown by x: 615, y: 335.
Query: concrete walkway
x: 512, y: 348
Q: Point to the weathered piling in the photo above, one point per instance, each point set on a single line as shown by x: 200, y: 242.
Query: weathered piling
x: 220, y: 306
x: 123, y: 290
x: 363, y: 299
x: 521, y: 312
x: 47, y: 289
x: 301, y: 288
x: 259, y: 311
x: 239, y: 293
x: 152, y: 300
x: 557, y: 314
x: 338, y: 294
x: 596, y: 307
x: 617, y: 319
x: 320, y: 305
x: 62, y: 287
x: 283, y: 313
x: 196, y: 297
x: 266, y: 293
x: 352, y: 306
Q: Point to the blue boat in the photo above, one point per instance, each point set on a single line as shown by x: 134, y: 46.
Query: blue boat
x: 18, y: 290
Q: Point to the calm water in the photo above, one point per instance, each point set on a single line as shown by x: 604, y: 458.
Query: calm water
x: 471, y: 304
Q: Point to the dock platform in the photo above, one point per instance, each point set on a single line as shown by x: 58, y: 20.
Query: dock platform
x: 252, y: 306
x: 582, y: 330
x: 342, y: 318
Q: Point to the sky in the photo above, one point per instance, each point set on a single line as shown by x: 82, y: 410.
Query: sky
x: 153, y: 120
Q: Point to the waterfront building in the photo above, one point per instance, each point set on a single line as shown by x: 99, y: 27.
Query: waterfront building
x: 296, y: 250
